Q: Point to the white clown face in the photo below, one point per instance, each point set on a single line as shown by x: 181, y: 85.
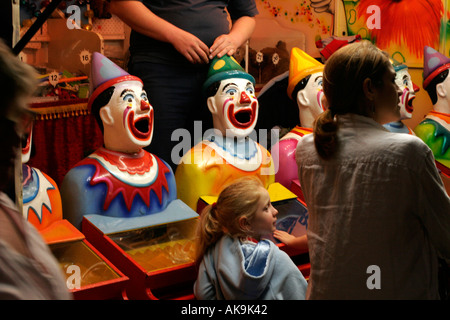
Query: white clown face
x: 234, y: 107
x: 311, y: 96
x: 404, y: 82
x: 128, y: 118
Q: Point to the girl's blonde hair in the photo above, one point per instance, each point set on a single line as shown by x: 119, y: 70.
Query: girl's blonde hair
x: 343, y: 77
x: 237, y: 200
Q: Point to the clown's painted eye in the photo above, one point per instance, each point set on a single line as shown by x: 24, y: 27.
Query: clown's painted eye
x: 144, y: 96
x: 231, y: 92
x: 406, y: 82
x: 128, y: 98
x: 250, y: 90
x: 318, y: 81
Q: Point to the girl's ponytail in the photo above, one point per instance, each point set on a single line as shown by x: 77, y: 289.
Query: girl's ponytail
x: 209, y: 230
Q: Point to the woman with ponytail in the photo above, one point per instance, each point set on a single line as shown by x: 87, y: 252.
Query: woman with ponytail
x: 234, y: 261
x: 378, y: 211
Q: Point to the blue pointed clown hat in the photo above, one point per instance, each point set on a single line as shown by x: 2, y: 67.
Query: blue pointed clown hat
x: 434, y: 63
x: 223, y: 68
x: 104, y: 74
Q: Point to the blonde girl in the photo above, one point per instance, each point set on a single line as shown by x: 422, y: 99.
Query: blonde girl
x: 234, y: 261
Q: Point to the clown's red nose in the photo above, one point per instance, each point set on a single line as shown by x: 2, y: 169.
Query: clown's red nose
x: 144, y: 105
x: 244, y: 98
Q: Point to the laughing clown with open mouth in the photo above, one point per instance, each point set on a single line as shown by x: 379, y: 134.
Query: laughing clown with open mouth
x: 227, y: 152
x: 120, y: 179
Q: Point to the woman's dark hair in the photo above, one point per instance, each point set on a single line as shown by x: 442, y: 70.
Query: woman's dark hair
x: 343, y: 77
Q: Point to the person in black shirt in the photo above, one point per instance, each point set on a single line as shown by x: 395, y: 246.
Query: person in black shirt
x: 171, y: 44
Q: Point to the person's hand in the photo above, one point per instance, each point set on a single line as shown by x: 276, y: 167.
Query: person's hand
x: 191, y: 47
x: 284, y: 237
x: 224, y: 44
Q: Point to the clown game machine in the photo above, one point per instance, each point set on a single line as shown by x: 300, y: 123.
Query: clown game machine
x: 124, y: 199
x: 63, y: 56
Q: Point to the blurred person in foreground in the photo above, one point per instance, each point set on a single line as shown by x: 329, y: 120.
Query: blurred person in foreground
x: 28, y: 270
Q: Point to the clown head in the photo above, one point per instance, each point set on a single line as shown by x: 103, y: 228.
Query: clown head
x: 231, y: 98
x: 436, y: 80
x: 408, y: 88
x: 305, y: 85
x: 120, y: 106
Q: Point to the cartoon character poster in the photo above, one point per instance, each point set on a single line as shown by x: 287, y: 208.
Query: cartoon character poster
x: 402, y: 27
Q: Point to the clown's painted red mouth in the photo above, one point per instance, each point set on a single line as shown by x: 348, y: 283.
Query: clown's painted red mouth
x: 141, y: 127
x: 26, y: 143
x: 26, y: 140
x: 243, y: 117
x: 408, y: 104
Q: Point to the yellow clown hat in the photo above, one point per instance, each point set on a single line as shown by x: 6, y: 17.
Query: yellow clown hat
x: 301, y: 65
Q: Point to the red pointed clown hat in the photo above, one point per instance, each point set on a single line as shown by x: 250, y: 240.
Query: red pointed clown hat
x: 104, y: 74
x: 433, y: 64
